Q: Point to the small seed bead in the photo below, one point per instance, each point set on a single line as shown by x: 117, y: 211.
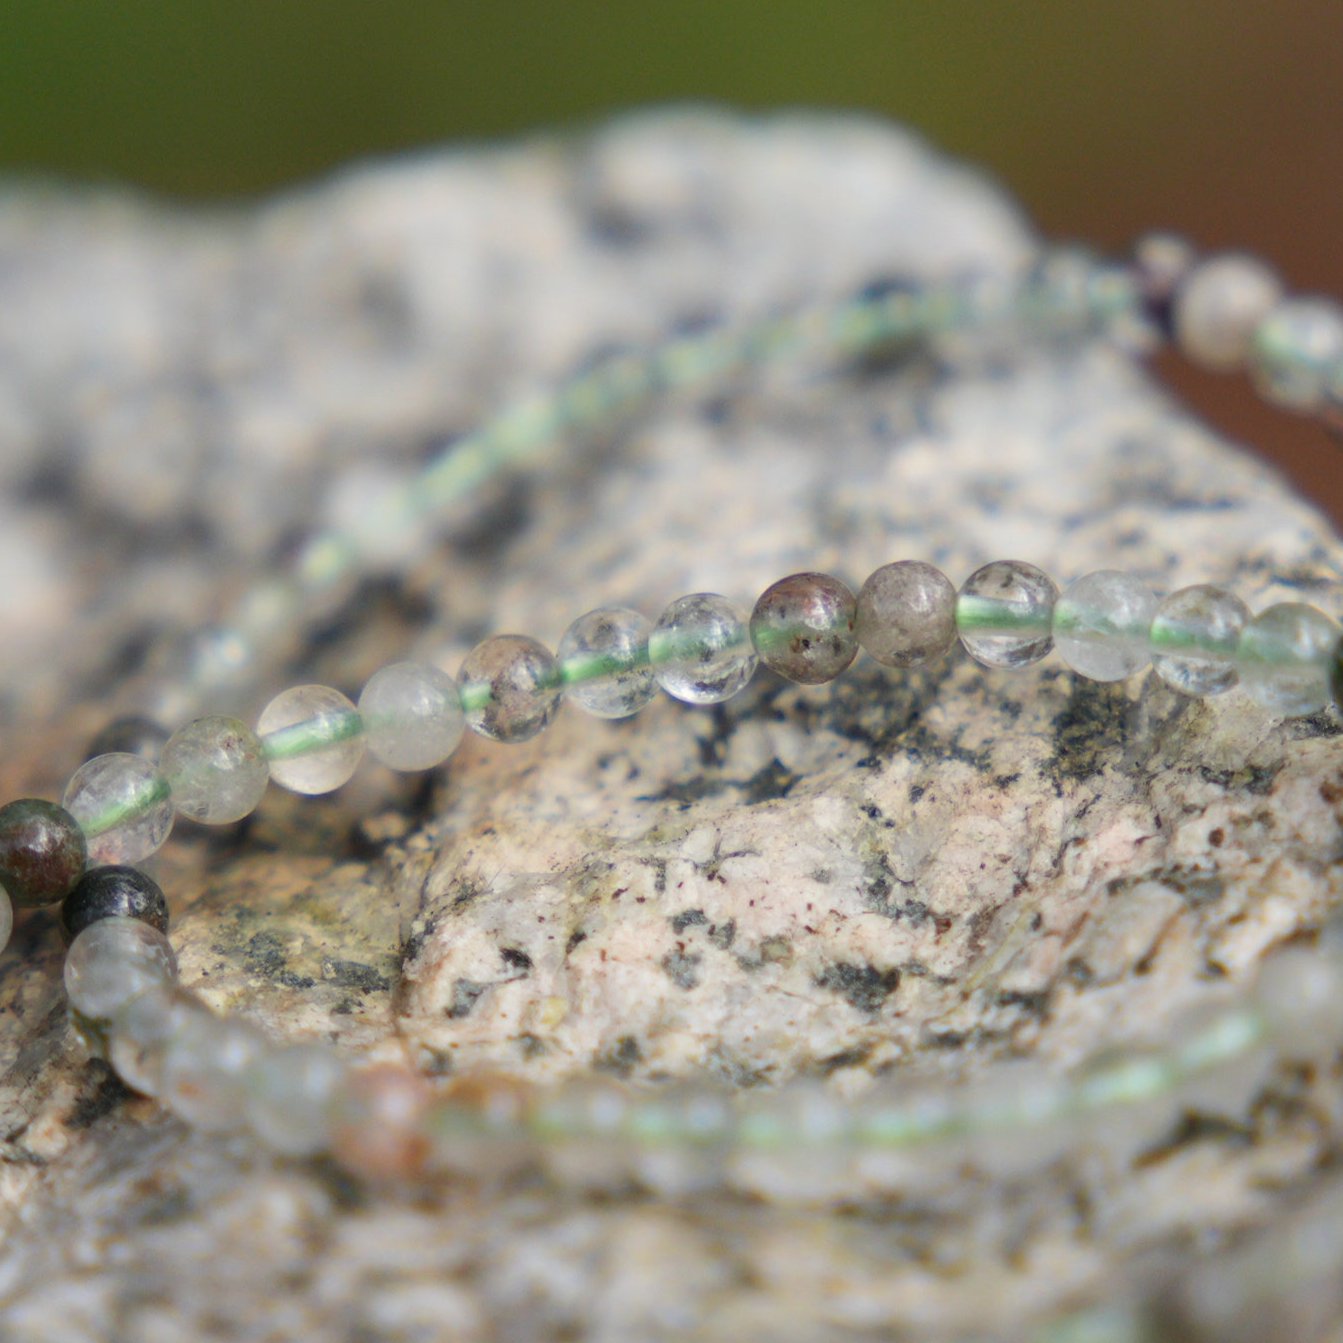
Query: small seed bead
x: 803, y: 628
x: 217, y: 770
x: 906, y: 614
x: 42, y: 851
x: 1285, y: 656
x: 312, y: 737
x: 603, y: 659
x: 113, y: 892
x: 124, y: 806
x: 1005, y: 614
x: 510, y: 687
x: 1102, y: 624
x: 412, y: 714
x: 701, y: 649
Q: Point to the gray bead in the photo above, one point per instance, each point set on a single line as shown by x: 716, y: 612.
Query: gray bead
x: 1005, y: 614
x: 1195, y: 634
x: 803, y: 628
x: 510, y: 688
x: 603, y: 657
x: 1219, y: 306
x: 906, y: 614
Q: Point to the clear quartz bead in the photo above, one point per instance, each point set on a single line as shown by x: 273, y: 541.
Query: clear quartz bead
x: 1219, y: 306
x: 906, y: 614
x: 1005, y: 614
x: 1296, y: 349
x: 204, y: 1065
x: 412, y: 715
x: 217, y: 770
x: 1285, y: 656
x: 313, y: 738
x: 291, y: 1095
x: 1102, y: 624
x: 140, y: 1032
x: 1195, y: 634
x: 701, y: 649
x: 113, y: 961
x: 803, y: 628
x: 124, y: 806
x: 510, y: 688
x: 603, y: 658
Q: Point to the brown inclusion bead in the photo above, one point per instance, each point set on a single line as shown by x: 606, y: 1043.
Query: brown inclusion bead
x: 803, y: 628
x: 42, y: 851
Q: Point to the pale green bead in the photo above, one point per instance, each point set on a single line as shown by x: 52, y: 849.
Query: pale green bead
x: 124, y: 806
x: 217, y: 770
x: 1286, y: 656
x: 701, y: 649
x: 113, y: 961
x: 1101, y: 625
x: 412, y: 715
x: 313, y: 738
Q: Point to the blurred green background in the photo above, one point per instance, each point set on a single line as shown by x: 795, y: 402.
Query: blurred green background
x: 1223, y: 118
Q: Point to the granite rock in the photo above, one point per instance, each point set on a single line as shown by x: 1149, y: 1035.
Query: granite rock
x: 923, y: 871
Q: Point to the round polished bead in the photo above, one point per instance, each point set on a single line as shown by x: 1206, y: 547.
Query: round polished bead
x: 1296, y: 350
x: 603, y: 658
x: 701, y: 649
x: 6, y: 918
x: 42, y: 851
x: 205, y: 1064
x: 510, y: 687
x: 803, y: 628
x: 290, y: 1094
x: 1102, y: 623
x: 1195, y: 634
x: 1220, y: 305
x: 906, y: 614
x: 412, y: 715
x: 1285, y: 658
x: 138, y: 1037
x: 313, y: 738
x: 133, y: 735
x: 124, y: 806
x: 114, y: 893
x: 217, y: 770
x: 378, y: 1122
x: 1005, y: 614
x: 113, y: 961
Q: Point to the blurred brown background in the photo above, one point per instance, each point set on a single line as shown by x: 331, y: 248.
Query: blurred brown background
x: 1221, y: 118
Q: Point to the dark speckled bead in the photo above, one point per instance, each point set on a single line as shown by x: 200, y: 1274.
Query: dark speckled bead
x: 42, y: 851
x: 1336, y: 676
x: 803, y: 628
x: 133, y: 735
x: 114, y: 892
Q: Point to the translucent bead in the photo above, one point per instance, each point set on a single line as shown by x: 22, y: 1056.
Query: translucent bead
x: 1285, y: 658
x: 1296, y: 349
x: 205, y: 1065
x: 113, y: 961
x: 313, y: 738
x: 42, y: 851
x: 217, y: 770
x: 1219, y: 306
x: 378, y: 1122
x: 290, y: 1094
x: 1102, y: 623
x: 132, y: 734
x: 140, y: 1031
x: 412, y: 715
x: 803, y: 628
x: 701, y: 650
x: 1005, y: 614
x: 1195, y: 634
x: 603, y: 657
x: 510, y: 687
x: 124, y: 806
x: 906, y: 614
x: 113, y: 893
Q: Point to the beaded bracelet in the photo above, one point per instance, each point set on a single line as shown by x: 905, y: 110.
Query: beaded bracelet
x: 119, y: 806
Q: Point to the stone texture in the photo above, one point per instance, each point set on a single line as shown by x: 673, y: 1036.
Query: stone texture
x: 923, y: 870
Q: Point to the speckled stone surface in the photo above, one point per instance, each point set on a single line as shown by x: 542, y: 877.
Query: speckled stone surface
x: 924, y: 870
